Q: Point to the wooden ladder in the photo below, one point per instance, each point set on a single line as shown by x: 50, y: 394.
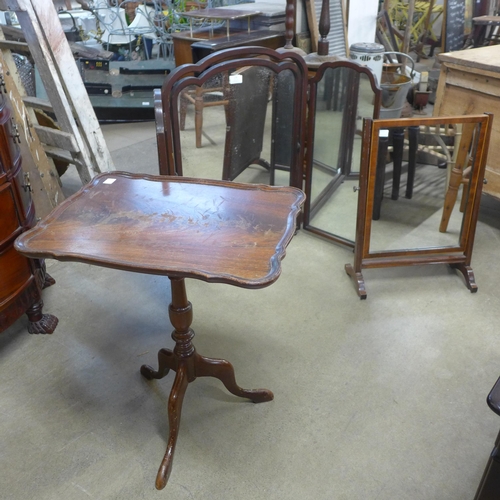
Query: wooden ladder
x: 79, y: 140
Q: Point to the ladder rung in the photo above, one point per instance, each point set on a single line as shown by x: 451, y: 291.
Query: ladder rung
x: 11, y: 32
x: 21, y: 47
x: 36, y: 102
x: 60, y: 154
x: 57, y: 138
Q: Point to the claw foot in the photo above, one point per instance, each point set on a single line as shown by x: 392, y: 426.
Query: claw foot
x: 46, y: 324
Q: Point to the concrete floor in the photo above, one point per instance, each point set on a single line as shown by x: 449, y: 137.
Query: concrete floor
x: 381, y: 399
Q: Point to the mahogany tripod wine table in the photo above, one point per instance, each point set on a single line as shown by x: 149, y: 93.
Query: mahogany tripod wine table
x: 215, y: 231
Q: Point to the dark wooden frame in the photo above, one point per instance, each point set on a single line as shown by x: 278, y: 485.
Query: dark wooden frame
x: 458, y: 257
x: 166, y: 100
x: 348, y: 132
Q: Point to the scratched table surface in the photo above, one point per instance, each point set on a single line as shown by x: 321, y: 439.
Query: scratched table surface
x: 216, y: 231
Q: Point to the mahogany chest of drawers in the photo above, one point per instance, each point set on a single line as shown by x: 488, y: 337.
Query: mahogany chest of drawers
x: 21, y: 279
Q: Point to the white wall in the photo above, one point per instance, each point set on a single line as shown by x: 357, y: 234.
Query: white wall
x: 362, y: 21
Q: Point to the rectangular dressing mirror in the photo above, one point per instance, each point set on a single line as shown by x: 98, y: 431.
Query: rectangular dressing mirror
x: 420, y: 188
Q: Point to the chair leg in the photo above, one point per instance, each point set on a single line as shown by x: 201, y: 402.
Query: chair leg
x: 456, y: 175
x: 397, y: 160
x: 463, y: 201
x: 182, y: 111
x: 380, y: 177
x: 465, y: 188
x: 412, y: 159
x: 198, y: 116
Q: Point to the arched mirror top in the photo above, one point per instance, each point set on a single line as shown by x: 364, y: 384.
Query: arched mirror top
x: 237, y: 57
x: 241, y: 108
x: 201, y: 77
x: 344, y: 63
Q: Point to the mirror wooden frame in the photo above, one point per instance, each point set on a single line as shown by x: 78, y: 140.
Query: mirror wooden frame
x: 345, y: 157
x: 167, y: 107
x: 458, y: 257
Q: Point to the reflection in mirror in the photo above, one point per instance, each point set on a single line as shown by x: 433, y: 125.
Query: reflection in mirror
x: 420, y: 189
x: 343, y: 93
x: 240, y: 121
x: 424, y: 160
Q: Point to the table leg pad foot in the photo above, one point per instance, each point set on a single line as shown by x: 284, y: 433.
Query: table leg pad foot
x: 165, y: 363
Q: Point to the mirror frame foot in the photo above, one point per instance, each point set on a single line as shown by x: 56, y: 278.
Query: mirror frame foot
x: 359, y: 281
x: 468, y: 273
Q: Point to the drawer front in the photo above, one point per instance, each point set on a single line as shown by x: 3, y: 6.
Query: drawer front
x: 9, y: 222
x: 15, y: 273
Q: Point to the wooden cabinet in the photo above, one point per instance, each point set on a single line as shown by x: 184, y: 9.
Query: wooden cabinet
x: 21, y: 279
x: 190, y: 49
x: 469, y: 83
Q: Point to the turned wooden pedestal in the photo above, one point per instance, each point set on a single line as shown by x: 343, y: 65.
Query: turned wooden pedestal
x: 188, y: 365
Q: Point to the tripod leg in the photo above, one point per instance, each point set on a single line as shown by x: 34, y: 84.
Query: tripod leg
x: 224, y: 371
x: 174, y: 417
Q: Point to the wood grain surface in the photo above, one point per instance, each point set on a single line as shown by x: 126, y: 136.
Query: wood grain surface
x: 211, y: 230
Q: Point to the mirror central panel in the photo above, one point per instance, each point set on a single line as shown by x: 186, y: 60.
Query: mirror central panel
x: 413, y: 183
x: 341, y: 95
x: 238, y: 125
